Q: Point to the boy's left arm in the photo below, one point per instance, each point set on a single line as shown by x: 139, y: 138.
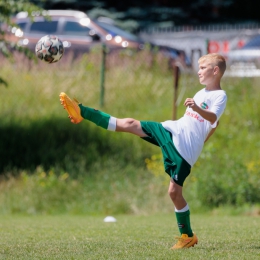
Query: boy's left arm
x: 211, y: 132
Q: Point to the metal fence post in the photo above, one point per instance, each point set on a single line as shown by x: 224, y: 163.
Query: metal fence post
x: 102, y: 75
x: 207, y: 45
x: 176, y: 75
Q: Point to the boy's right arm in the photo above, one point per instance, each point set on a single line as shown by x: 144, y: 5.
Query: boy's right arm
x: 206, y: 114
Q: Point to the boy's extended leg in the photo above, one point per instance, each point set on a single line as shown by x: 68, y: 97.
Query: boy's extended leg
x: 77, y: 112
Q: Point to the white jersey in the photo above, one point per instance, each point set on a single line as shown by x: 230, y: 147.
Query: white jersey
x: 190, y: 132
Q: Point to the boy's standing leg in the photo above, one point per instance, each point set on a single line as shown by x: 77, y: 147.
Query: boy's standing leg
x: 77, y: 112
x: 182, y: 212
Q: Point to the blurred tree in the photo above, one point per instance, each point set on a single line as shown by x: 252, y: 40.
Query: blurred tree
x: 7, y: 9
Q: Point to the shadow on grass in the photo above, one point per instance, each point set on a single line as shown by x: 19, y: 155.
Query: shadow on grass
x: 56, y: 141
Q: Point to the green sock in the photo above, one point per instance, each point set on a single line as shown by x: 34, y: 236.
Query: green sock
x: 183, y: 221
x: 99, y: 118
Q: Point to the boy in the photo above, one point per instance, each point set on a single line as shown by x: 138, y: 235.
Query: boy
x: 181, y: 141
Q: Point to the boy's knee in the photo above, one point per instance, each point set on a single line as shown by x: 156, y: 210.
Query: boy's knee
x: 174, y: 192
x: 130, y: 122
x: 125, y: 123
x: 130, y: 125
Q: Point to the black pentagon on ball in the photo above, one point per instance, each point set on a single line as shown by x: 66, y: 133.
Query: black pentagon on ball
x: 48, y: 58
x: 40, y: 55
x: 53, y: 50
x: 61, y: 49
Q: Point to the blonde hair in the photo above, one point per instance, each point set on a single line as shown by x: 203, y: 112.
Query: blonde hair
x: 216, y: 60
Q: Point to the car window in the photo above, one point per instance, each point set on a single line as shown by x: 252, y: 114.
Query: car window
x: 22, y: 25
x: 45, y: 27
x: 113, y: 30
x: 74, y: 28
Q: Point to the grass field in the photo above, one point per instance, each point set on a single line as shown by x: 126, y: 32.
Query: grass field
x: 68, y: 178
x: 131, y: 237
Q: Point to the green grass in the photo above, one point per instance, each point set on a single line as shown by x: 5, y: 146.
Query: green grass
x: 68, y: 178
x: 131, y: 237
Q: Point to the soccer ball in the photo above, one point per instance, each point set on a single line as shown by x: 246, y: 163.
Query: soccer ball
x: 49, y: 49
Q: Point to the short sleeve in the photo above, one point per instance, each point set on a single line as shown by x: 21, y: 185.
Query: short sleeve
x: 219, y: 106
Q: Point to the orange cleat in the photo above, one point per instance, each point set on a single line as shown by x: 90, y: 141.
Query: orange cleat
x: 72, y: 108
x: 185, y: 242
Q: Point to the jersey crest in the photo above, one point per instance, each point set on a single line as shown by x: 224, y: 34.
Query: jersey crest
x: 203, y: 105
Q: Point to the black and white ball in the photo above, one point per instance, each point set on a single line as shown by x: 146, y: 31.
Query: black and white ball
x: 49, y: 49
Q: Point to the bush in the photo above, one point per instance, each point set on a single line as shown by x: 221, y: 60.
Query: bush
x: 112, y: 190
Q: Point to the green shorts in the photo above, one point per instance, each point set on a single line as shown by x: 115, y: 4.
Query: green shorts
x: 174, y: 164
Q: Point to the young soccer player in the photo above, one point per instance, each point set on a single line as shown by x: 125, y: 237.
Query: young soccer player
x: 181, y: 141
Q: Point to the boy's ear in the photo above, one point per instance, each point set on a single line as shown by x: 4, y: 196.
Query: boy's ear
x: 216, y: 70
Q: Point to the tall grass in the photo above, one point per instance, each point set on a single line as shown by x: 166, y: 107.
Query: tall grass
x: 111, y: 190
x: 116, y: 172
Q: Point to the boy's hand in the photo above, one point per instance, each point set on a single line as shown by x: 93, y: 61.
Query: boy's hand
x: 206, y: 114
x: 189, y: 102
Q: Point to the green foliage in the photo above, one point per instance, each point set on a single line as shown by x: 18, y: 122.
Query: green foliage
x: 7, y: 10
x: 3, y: 82
x: 110, y: 189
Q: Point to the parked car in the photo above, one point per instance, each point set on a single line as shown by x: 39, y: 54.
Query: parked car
x: 79, y: 33
x: 74, y: 28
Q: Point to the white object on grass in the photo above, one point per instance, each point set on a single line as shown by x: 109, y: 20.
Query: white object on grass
x: 109, y: 219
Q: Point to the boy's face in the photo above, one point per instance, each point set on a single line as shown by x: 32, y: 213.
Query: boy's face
x: 207, y: 72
